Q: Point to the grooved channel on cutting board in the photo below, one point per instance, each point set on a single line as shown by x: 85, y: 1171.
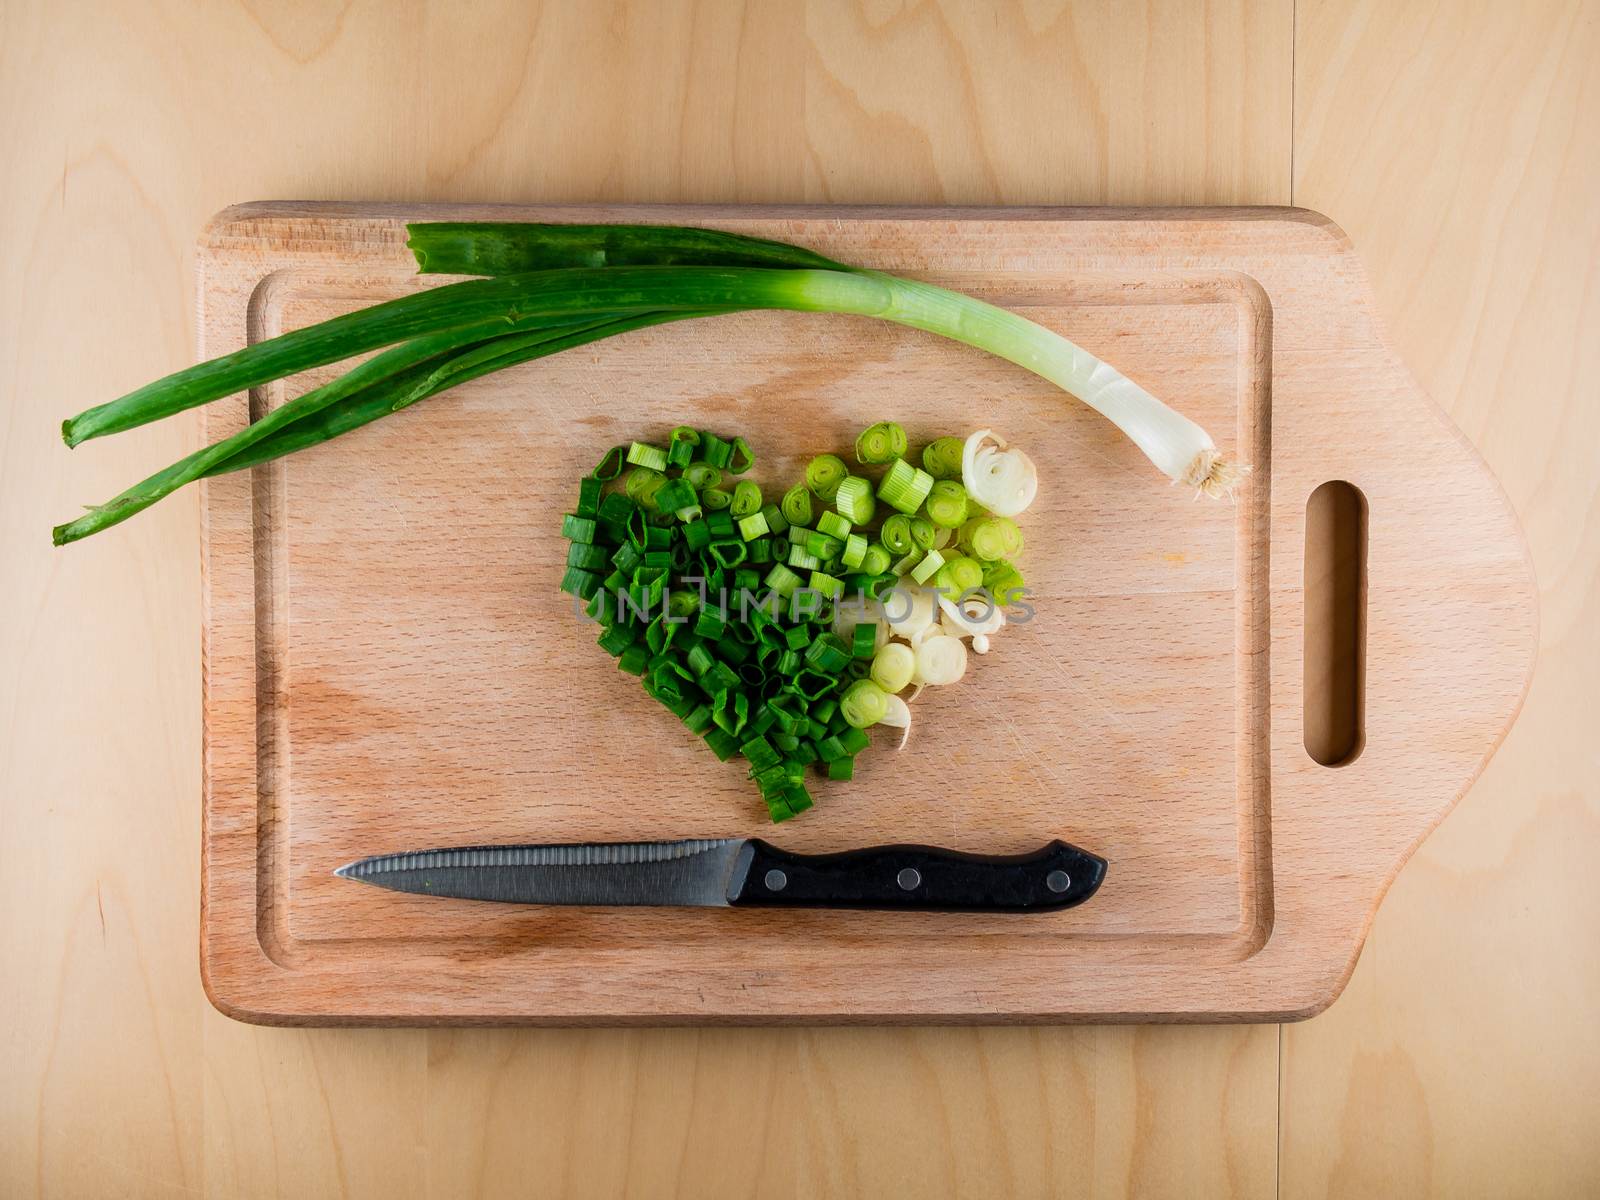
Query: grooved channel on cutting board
x: 420, y: 681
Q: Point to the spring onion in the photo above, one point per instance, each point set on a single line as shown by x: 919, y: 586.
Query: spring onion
x: 893, y: 665
x: 946, y: 504
x: 928, y: 567
x: 642, y: 455
x: 753, y: 526
x: 876, y: 561
x: 896, y: 534
x: 797, y: 505
x: 855, y: 550
x: 715, y: 499
x: 904, y: 487
x: 864, y: 703
x: 824, y: 474
x: 941, y: 458
x: 924, y: 534
x: 854, y: 500
x: 959, y: 575
x: 991, y: 538
x: 940, y: 660
x: 746, y: 499
x: 1003, y: 481
x: 685, y: 273
x: 881, y: 443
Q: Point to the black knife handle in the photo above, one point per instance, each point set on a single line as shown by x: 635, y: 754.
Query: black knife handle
x: 917, y: 878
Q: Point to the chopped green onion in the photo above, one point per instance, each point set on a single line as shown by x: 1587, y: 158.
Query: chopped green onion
x: 797, y: 505
x: 729, y: 552
x: 702, y: 475
x: 924, y: 533
x: 827, y: 653
x: 991, y: 538
x: 833, y: 525
x: 674, y: 496
x: 682, y: 445
x: 698, y: 534
x: 864, y: 703
x: 843, y: 769
x: 796, y: 637
x: 823, y: 545
x: 800, y: 557
x: 721, y: 524
x: 947, y: 503
x: 906, y: 565
x: 896, y: 534
x: 855, y: 740
x: 577, y: 529
x: 634, y: 659
x: 830, y: 750
x: 715, y: 499
x: 709, y: 624
x: 610, y: 465
x: 776, y: 521
x: 642, y: 485
x: 760, y: 753
x: 723, y: 744
x: 1004, y: 582
x: 753, y: 526
x: 893, y: 665
x: 942, y: 458
x: 928, y: 567
x: 904, y: 487
x: 782, y: 580
x: 746, y: 499
x: 854, y: 499
x: 642, y: 455
x: 588, y: 556
x: 960, y: 575
x: 876, y: 561
x: 827, y: 585
x: 855, y: 551
x: 590, y: 491
x: 823, y: 475
x: 881, y: 443
x: 715, y: 451
x: 742, y: 458
x: 864, y: 639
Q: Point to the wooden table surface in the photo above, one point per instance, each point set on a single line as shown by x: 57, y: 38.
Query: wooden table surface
x: 1459, y: 144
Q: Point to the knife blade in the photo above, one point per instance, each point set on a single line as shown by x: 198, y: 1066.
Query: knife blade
x: 742, y: 872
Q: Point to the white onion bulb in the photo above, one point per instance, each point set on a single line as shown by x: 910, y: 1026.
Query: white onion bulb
x: 971, y: 616
x: 941, y: 660
x: 909, y: 611
x: 1003, y: 481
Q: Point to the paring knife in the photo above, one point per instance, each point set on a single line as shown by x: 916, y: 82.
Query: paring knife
x: 743, y: 872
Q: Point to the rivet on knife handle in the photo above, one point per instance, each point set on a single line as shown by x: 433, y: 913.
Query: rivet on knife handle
x: 916, y: 877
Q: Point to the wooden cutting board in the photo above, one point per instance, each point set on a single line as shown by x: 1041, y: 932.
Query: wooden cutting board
x: 389, y: 666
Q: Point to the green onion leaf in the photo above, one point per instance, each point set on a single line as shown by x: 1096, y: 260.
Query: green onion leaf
x: 928, y: 567
x: 642, y: 455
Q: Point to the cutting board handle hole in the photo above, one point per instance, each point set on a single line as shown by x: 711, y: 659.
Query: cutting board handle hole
x: 1335, y: 623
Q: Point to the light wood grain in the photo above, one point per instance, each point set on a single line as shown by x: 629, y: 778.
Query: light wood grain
x: 123, y: 135
x: 379, y: 663
x: 1459, y: 142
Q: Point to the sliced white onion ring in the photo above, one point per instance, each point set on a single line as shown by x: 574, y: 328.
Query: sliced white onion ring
x: 909, y: 611
x: 898, y: 717
x: 1003, y: 481
x: 941, y: 660
x: 971, y: 615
